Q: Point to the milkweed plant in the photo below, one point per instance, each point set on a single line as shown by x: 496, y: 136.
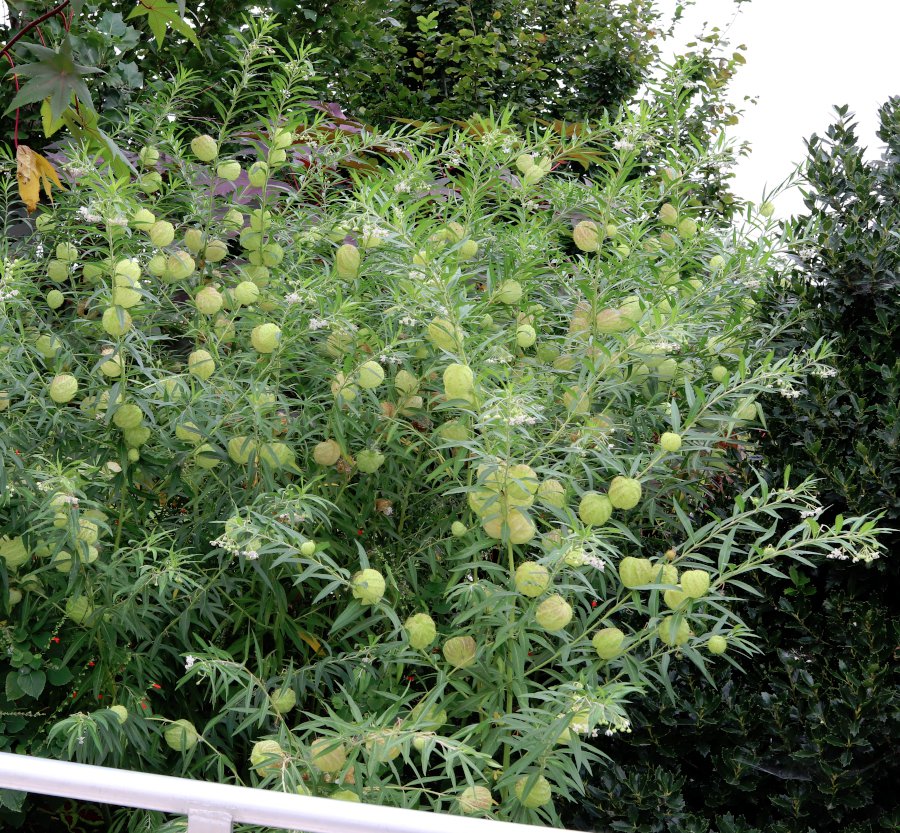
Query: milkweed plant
x: 382, y: 466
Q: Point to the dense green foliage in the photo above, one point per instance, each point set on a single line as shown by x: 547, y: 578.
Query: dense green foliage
x: 259, y: 414
x: 381, y: 61
x: 845, y: 428
x: 812, y: 724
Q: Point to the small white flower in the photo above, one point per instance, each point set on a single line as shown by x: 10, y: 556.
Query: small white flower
x: 189, y: 662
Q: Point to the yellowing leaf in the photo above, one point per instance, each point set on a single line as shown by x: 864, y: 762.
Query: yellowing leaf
x: 32, y: 171
x: 310, y: 640
x: 50, y: 124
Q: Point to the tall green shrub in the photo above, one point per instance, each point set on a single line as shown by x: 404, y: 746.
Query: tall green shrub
x: 394, y: 487
x: 844, y: 427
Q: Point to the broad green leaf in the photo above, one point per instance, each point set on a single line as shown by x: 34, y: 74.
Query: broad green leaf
x: 49, y: 124
x: 56, y: 77
x: 160, y: 15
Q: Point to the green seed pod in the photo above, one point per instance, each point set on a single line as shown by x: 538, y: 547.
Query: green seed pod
x: 526, y: 335
x: 181, y: 735
x: 687, y: 228
x: 405, y: 383
x: 328, y: 755
x: 427, y: 717
x: 717, y: 644
x: 444, y: 335
x: 266, y: 756
x: 370, y: 375
x: 136, y: 437
x: 161, y: 233
x: 241, y: 449
x: 474, y: 801
x: 150, y: 183
x: 246, y: 293
x: 13, y: 552
x: 258, y: 174
x: 674, y: 631
x: 128, y: 416
x: 308, y: 548
x: 265, y: 338
x: 283, y: 700
x: 460, y: 651
x: 79, y: 609
x: 608, y: 643
x: 670, y: 442
x: 420, y: 631
x: 635, y: 572
x: 205, y: 148
x: 327, y: 453
x: 63, y: 388
x: 674, y: 599
x: 368, y: 586
x: 509, y: 292
x: 208, y: 300
x: 201, y: 364
x: 595, y: 509
x: 586, y: 236
x: 229, y: 171
x: 536, y: 795
x: 668, y: 214
x: 552, y: 493
x: 459, y: 382
x: 116, y: 321
x: 532, y: 579
x: 347, y: 261
x: 149, y: 156
x: 695, y: 583
x: 458, y: 529
x: 554, y: 613
x: 120, y: 712
x: 58, y: 270
x: 624, y: 492
x: 215, y: 251
x: 369, y: 461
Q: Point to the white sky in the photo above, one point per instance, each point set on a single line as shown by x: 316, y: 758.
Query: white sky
x: 803, y: 57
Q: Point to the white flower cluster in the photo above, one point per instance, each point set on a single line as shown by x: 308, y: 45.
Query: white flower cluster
x: 866, y: 555
x: 225, y: 543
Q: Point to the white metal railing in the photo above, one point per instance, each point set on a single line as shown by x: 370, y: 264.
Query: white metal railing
x: 214, y: 808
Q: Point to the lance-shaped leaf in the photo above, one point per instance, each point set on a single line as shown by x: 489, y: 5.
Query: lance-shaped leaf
x: 160, y: 14
x: 54, y: 76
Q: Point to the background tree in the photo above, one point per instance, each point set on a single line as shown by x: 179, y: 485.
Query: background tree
x: 401, y: 59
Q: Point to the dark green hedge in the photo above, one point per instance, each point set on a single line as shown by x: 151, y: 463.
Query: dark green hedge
x: 804, y: 740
